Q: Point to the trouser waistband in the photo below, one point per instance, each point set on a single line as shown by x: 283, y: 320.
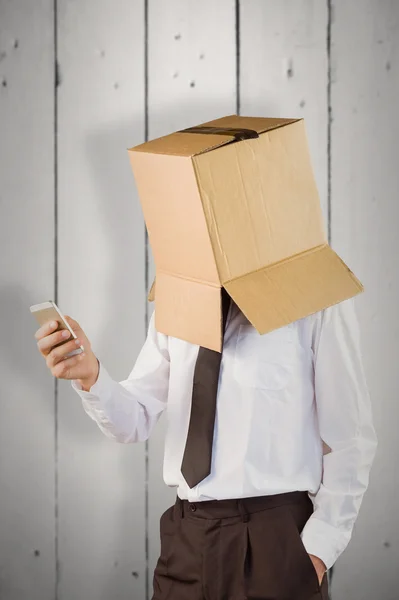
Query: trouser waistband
x: 220, y: 509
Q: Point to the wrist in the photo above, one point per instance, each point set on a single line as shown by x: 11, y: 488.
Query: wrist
x: 90, y: 380
x: 319, y: 563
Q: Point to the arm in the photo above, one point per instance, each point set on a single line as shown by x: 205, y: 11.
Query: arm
x: 346, y: 426
x: 126, y: 411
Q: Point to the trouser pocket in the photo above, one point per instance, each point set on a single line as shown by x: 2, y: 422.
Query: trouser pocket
x: 277, y: 565
x: 296, y: 517
x: 167, y: 529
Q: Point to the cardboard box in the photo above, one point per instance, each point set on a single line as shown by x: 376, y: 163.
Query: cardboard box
x: 233, y: 203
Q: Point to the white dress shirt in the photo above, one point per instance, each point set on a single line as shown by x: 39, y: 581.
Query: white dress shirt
x: 280, y: 396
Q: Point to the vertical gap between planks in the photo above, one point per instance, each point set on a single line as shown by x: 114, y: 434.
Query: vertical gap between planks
x: 329, y: 116
x: 238, y: 57
x: 146, y: 283
x: 56, y: 386
x: 329, y: 126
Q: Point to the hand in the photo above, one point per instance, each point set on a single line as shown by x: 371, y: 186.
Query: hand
x: 319, y: 566
x: 82, y: 366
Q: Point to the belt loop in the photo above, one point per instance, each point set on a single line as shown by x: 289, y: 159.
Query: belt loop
x: 181, y: 508
x: 243, y: 512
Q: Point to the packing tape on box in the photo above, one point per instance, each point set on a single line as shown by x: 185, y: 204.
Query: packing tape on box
x: 237, y: 133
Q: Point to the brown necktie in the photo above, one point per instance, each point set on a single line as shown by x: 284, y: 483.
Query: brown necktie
x: 196, y: 464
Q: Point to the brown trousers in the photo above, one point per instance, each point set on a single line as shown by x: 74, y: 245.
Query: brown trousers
x: 248, y: 549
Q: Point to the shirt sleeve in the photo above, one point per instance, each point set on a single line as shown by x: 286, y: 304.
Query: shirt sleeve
x: 346, y: 426
x: 126, y: 411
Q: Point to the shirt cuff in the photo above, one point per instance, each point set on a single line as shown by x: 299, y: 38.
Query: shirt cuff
x: 324, y: 540
x: 101, y: 388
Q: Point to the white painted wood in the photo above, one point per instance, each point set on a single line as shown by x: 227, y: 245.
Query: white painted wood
x: 365, y: 214
x: 27, y: 521
x: 101, y: 284
x: 284, y: 70
x: 191, y: 80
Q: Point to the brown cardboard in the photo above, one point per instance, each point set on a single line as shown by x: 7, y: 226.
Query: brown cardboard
x: 244, y: 215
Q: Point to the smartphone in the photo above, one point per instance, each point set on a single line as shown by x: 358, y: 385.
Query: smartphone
x: 49, y: 311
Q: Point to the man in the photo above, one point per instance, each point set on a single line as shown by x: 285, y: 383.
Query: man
x: 292, y: 446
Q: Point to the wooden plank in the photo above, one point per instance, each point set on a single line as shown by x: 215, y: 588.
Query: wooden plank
x: 191, y: 71
x: 284, y: 71
x: 27, y: 536
x: 101, y: 284
x: 365, y: 213
x: 283, y: 68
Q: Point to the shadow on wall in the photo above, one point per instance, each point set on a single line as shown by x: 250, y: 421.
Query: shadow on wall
x: 123, y: 306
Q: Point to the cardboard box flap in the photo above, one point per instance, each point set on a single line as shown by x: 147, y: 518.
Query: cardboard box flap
x: 208, y: 136
x: 189, y: 310
x: 183, y: 144
x: 294, y: 288
x: 258, y: 124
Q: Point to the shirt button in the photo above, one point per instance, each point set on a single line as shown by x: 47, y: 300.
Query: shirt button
x: 193, y: 508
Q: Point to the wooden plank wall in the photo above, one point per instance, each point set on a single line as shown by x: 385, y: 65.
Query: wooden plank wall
x: 364, y: 221
x: 283, y: 70
x: 27, y: 421
x: 79, y: 83
x: 101, y: 485
x: 192, y: 79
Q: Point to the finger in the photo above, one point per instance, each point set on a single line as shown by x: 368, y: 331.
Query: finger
x: 65, y: 368
x: 58, y: 354
x: 46, y: 344
x: 46, y: 329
